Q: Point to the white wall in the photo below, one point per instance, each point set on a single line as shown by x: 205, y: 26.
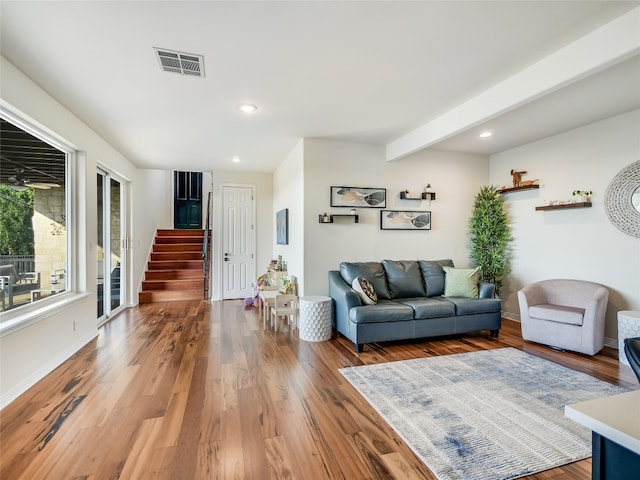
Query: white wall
x: 455, y: 178
x: 153, y: 210
x: 575, y: 243
x: 26, y: 355
x: 288, y: 192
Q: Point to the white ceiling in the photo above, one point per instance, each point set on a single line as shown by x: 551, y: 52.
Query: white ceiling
x: 356, y: 71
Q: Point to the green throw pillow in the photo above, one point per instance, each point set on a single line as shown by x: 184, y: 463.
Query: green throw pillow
x: 461, y: 282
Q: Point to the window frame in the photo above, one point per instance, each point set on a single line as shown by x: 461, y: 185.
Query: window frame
x: 75, y: 189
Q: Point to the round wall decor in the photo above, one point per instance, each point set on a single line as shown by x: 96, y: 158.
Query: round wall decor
x: 622, y: 200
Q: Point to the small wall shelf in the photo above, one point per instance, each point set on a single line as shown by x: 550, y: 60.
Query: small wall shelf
x: 517, y: 189
x: 321, y: 218
x: 565, y: 205
x: 418, y: 196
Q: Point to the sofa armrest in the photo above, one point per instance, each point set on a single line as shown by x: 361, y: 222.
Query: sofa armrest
x: 343, y: 296
x: 341, y: 292
x: 486, y: 290
x: 534, y: 294
x: 595, y: 311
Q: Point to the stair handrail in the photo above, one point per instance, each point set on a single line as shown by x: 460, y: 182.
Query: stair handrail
x: 206, y: 249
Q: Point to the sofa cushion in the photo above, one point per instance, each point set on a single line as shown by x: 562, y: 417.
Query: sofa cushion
x: 365, y: 290
x: 372, y: 271
x: 383, y: 311
x: 471, y: 306
x: 461, y: 282
x: 433, y: 275
x: 404, y: 278
x: 557, y: 313
x: 434, y: 307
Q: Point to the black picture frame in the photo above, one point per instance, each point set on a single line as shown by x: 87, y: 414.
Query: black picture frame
x: 358, y: 197
x: 282, y: 227
x: 405, y: 220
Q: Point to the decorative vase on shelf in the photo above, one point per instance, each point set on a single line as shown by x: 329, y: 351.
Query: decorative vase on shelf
x: 582, y: 196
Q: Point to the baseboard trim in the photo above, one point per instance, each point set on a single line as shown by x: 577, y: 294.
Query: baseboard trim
x: 45, y: 370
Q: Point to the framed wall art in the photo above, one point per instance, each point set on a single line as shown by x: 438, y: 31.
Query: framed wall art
x: 363, y: 197
x: 282, y: 227
x: 405, y: 220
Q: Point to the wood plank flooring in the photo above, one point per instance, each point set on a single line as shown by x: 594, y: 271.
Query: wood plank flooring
x: 194, y: 390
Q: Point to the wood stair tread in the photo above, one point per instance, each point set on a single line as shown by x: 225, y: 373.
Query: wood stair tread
x: 174, y: 264
x: 188, y: 273
x: 173, y: 284
x: 151, y: 296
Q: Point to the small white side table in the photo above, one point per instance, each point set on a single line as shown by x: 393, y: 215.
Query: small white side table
x: 315, y: 319
x: 628, y: 327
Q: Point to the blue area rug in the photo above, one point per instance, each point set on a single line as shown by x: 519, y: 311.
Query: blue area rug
x: 495, y: 414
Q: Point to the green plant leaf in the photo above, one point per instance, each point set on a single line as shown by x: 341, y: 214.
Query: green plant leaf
x: 489, y: 236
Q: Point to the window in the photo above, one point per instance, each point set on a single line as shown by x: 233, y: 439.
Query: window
x: 34, y: 213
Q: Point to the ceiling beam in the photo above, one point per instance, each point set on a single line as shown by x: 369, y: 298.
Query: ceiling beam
x: 602, y: 48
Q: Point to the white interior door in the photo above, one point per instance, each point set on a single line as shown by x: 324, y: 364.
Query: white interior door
x: 238, y: 242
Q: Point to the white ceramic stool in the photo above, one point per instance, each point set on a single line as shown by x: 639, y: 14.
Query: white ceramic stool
x: 628, y: 327
x: 314, y: 323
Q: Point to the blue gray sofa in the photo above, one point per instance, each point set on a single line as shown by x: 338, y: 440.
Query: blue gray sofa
x: 410, y: 303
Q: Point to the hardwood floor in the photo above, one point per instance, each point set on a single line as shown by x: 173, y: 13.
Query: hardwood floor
x: 193, y: 390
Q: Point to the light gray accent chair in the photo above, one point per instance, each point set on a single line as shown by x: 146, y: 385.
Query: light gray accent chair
x: 564, y: 313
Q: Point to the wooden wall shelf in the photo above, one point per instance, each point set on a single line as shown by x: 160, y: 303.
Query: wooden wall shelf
x: 356, y: 218
x: 517, y: 189
x: 564, y: 206
x: 418, y: 196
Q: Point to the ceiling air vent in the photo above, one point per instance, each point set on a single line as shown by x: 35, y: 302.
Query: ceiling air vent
x: 180, y: 62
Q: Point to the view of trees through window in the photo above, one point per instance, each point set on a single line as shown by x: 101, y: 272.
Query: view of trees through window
x: 16, y: 212
x: 33, y: 237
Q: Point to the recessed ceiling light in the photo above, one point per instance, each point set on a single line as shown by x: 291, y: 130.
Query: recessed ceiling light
x: 235, y: 159
x: 247, y: 107
x: 485, y: 134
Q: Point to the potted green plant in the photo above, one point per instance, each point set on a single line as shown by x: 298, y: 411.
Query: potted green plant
x: 583, y: 195
x: 489, y: 236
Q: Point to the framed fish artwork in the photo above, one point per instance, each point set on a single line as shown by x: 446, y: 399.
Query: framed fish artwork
x: 363, y: 197
x: 405, y: 220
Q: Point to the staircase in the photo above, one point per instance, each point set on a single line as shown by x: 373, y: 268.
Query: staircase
x: 174, y: 271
